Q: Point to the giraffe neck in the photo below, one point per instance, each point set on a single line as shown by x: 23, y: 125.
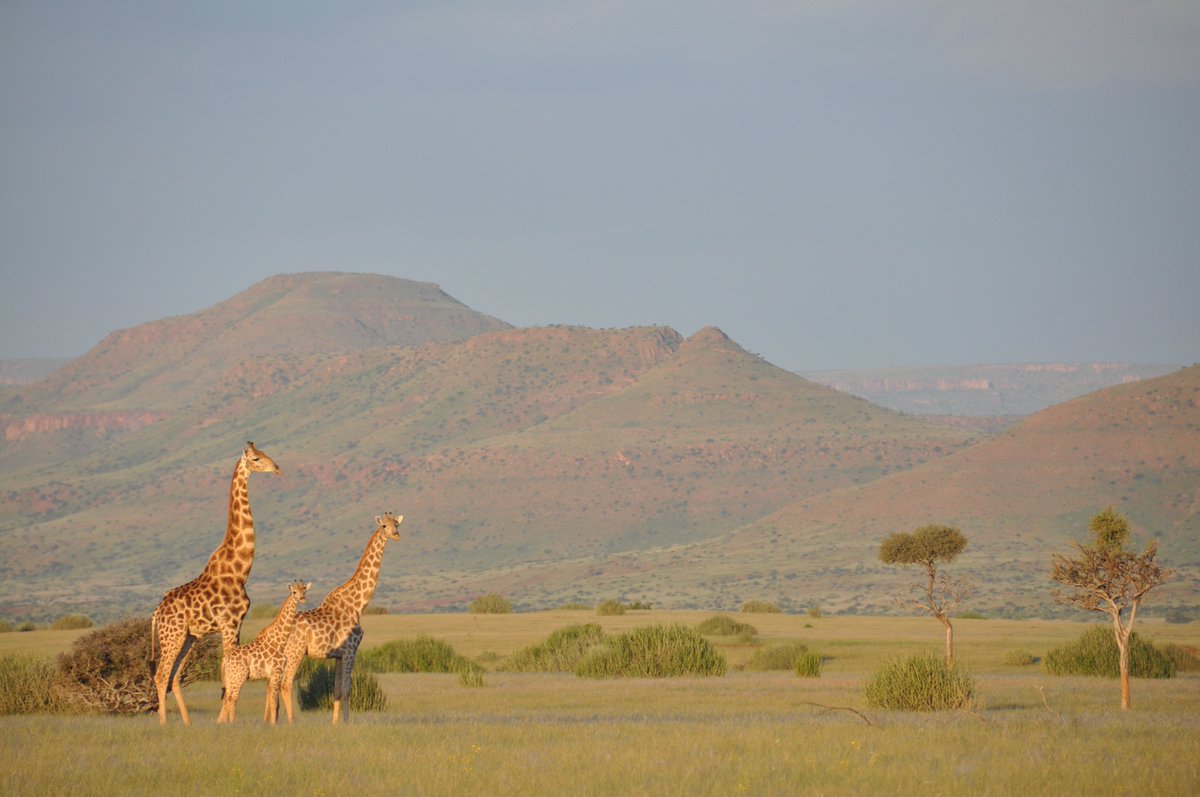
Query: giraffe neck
x: 285, y: 621
x: 235, y: 557
x: 356, y: 593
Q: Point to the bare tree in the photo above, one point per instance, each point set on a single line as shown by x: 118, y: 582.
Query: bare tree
x: 1108, y: 577
x: 927, y: 546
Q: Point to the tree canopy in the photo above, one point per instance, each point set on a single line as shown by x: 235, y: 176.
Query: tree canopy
x: 925, y: 546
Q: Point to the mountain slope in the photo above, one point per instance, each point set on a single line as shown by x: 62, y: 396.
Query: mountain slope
x: 1018, y: 497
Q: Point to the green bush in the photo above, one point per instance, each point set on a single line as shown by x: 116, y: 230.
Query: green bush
x: 422, y: 654
x: 653, y: 652
x: 72, y: 622
x: 780, y: 656
x: 28, y: 625
x: 490, y: 604
x: 1018, y: 657
x: 720, y: 625
x: 808, y: 665
x: 1185, y: 659
x: 610, y: 607
x: 315, y: 687
x: 1095, y: 653
x: 813, y: 611
x: 919, y: 683
x: 760, y: 607
x: 27, y: 685
x: 576, y: 607
x: 6, y: 627
x: 561, y: 651
x: 107, y: 670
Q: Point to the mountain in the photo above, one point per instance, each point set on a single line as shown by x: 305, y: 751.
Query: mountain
x: 983, y: 390
x: 26, y: 370
x: 549, y: 464
x: 1018, y: 497
x: 503, y: 448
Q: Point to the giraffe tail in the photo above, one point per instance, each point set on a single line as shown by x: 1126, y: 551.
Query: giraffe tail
x: 153, y: 662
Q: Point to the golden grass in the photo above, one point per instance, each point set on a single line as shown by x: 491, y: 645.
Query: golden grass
x: 745, y: 733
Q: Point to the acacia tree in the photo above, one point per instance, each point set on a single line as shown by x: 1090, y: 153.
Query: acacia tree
x: 1108, y: 577
x: 927, y: 546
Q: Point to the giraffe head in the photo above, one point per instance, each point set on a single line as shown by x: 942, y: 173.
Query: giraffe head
x: 257, y: 461
x: 389, y: 524
x: 299, y: 589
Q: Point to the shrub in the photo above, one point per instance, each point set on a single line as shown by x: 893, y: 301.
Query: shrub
x: 1095, y: 653
x: 654, y: 652
x: 383, y: 610
x: 919, y: 683
x: 610, y: 607
x: 6, y: 627
x: 107, y: 670
x: 27, y: 685
x: 472, y: 677
x: 760, y: 607
x: 813, y: 611
x: 720, y: 625
x: 1018, y: 657
x: 422, y: 654
x: 780, y: 656
x: 808, y: 665
x: 1185, y: 659
x: 28, y: 625
x: 72, y: 622
x: 315, y: 692
x: 561, y: 651
x: 490, y: 604
x: 576, y: 607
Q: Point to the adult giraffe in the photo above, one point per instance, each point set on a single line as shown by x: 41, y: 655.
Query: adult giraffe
x: 332, y: 631
x: 216, y: 600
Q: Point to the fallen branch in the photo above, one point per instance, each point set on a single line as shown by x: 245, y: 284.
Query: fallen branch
x: 826, y: 709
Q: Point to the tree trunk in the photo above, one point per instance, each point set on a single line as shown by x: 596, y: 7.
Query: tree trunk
x: 949, y: 642
x: 1123, y: 649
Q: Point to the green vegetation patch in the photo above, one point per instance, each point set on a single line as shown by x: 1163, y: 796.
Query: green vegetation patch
x: 919, y: 683
x: 808, y: 664
x: 315, y: 687
x: 1095, y: 653
x: 760, y: 607
x: 72, y: 622
x: 27, y: 685
x: 779, y: 656
x: 721, y: 625
x: 657, y: 651
x: 491, y: 604
x: 422, y: 654
x: 561, y: 652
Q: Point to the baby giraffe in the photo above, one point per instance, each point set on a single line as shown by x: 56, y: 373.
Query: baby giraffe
x: 262, y: 658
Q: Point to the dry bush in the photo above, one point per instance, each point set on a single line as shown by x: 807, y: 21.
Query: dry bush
x: 108, y: 669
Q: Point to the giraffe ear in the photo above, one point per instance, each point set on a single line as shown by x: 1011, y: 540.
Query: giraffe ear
x: 307, y: 586
x: 379, y: 520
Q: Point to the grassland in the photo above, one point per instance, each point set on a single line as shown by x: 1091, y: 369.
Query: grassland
x: 745, y: 733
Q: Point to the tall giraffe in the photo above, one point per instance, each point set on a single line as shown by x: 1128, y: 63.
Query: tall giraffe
x: 215, y: 601
x: 332, y: 630
x: 262, y: 658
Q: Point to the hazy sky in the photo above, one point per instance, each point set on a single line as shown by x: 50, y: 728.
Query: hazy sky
x: 835, y: 183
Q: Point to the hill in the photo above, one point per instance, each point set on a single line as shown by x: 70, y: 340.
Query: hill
x: 509, y: 447
x: 983, y: 390
x: 549, y: 464
x: 1018, y: 497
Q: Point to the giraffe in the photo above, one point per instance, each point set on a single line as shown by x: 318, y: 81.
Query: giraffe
x: 262, y: 658
x: 216, y: 599
x: 332, y: 630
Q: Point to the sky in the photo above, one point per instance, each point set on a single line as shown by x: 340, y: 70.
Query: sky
x: 834, y: 183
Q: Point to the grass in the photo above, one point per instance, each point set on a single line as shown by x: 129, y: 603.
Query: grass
x: 745, y: 733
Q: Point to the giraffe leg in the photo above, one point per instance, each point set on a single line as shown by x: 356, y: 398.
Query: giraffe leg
x: 341, y: 683
x: 337, y: 690
x: 170, y: 651
x: 285, y: 685
x: 177, y: 676
x: 229, y: 702
x: 271, y: 713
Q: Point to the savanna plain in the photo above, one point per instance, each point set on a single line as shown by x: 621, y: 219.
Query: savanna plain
x: 759, y: 733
